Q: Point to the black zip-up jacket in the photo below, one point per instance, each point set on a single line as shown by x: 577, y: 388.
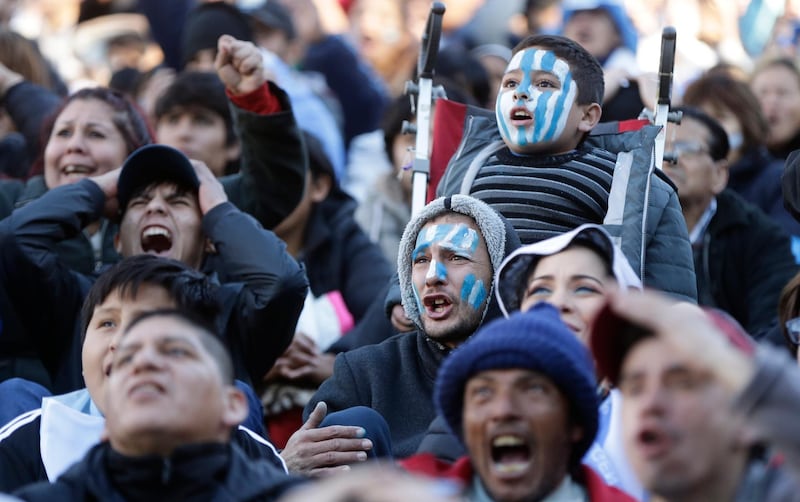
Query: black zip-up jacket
x: 339, y: 256
x: 261, y: 299
x: 742, y: 263
x: 209, y: 472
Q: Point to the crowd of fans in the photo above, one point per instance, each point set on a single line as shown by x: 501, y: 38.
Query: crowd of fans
x: 212, y: 285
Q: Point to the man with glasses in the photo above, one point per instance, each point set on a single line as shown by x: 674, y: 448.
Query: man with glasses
x: 741, y: 258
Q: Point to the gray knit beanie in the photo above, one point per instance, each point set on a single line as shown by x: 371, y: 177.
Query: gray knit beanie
x: 491, y: 225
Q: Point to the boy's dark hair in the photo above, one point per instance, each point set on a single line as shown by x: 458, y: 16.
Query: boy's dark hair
x: 586, y: 70
x: 190, y: 289
x: 718, y: 146
x: 205, y: 330
x: 196, y: 89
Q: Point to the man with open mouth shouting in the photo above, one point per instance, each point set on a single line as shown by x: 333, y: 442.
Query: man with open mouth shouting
x: 445, y: 263
x: 521, y: 396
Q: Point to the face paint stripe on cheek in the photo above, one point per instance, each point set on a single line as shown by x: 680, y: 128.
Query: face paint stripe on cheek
x: 420, y: 307
x: 564, y: 104
x: 530, y: 60
x: 473, y: 292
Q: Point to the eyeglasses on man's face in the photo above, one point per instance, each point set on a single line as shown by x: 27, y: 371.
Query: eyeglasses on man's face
x: 685, y: 150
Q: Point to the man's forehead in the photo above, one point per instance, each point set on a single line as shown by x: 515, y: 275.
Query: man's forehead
x: 158, y: 329
x: 457, y: 230
x: 650, y: 355
x: 196, y: 108
x: 538, y: 59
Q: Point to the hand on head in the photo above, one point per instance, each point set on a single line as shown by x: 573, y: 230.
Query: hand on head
x: 690, y: 330
x: 211, y: 192
x: 108, y: 184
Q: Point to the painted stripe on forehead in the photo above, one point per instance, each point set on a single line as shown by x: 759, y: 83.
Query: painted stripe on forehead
x: 456, y: 237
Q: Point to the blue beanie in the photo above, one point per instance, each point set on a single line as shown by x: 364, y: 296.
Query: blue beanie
x: 536, y: 340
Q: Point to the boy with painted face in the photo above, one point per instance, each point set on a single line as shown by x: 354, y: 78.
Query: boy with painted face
x: 546, y: 179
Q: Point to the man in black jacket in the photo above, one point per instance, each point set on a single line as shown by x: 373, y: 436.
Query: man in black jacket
x: 447, y: 258
x: 170, y: 207
x: 41, y: 444
x: 164, y: 441
x: 742, y: 259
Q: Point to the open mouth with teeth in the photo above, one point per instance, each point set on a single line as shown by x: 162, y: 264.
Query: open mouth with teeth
x: 521, y: 116
x: 77, y: 170
x: 156, y: 240
x: 511, y: 455
x: 437, y: 306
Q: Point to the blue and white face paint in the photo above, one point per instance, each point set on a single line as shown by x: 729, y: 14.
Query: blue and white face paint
x: 533, y: 105
x: 439, y: 247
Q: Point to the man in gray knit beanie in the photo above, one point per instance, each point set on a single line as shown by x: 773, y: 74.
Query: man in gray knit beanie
x: 447, y: 258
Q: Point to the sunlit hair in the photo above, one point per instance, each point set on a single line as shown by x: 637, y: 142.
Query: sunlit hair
x: 22, y: 56
x: 724, y: 93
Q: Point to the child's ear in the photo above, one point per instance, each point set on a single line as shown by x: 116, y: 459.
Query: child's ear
x: 590, y: 117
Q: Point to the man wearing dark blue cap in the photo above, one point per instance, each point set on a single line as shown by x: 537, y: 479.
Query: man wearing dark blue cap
x: 521, y: 396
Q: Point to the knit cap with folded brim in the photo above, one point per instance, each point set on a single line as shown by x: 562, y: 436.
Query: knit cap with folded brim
x: 492, y: 227
x: 535, y: 340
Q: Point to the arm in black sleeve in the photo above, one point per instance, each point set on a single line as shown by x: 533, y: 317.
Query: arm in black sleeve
x: 264, y: 315
x: 28, y: 105
x: 274, y: 163
x: 44, y: 292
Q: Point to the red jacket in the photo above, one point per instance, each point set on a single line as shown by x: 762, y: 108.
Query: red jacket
x: 461, y: 471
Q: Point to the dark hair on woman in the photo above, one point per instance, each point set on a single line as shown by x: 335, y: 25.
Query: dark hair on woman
x: 724, y: 93
x: 718, y: 146
x: 580, y: 241
x: 127, y: 118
